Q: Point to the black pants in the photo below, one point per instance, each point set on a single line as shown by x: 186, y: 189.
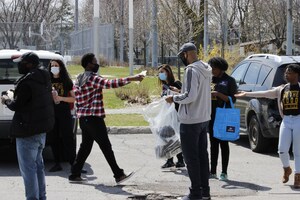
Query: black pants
x: 94, y: 129
x: 61, y: 137
x: 214, y: 152
x: 194, y: 148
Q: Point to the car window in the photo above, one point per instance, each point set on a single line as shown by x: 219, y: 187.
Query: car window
x: 279, y: 76
x: 252, y: 73
x: 238, y: 73
x: 264, y: 72
x: 9, y: 70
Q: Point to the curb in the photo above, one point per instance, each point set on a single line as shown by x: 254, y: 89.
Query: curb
x: 126, y: 130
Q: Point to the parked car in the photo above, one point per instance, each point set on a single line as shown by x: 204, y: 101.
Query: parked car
x: 260, y: 118
x: 9, y: 74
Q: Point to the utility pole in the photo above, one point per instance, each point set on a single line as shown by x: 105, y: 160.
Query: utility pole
x: 122, y: 32
x: 147, y: 34
x: 205, y: 38
x: 95, y: 41
x: 178, y: 40
x: 154, y: 34
x: 289, y: 29
x: 224, y: 29
x: 130, y: 37
x: 76, y: 15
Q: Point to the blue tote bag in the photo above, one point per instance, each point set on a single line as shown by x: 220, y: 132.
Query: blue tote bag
x: 227, y: 123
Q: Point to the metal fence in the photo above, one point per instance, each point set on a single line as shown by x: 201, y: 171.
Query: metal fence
x: 54, y: 37
x: 82, y: 41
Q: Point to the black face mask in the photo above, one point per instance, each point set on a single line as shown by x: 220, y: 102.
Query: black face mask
x: 95, y: 68
x: 22, y: 68
x: 184, y: 60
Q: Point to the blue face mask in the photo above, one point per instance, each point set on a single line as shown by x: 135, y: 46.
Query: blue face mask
x: 162, y: 76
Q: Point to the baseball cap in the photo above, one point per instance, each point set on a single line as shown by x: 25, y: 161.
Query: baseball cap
x: 187, y: 47
x: 29, y: 57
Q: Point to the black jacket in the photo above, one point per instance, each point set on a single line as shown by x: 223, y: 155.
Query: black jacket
x: 33, y: 104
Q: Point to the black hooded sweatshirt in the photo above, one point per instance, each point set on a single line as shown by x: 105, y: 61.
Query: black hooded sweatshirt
x: 33, y: 104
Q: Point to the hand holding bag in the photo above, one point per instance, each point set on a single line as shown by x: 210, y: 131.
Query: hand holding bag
x: 227, y: 123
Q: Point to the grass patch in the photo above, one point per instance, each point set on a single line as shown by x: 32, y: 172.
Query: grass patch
x: 125, y: 120
x: 113, y: 72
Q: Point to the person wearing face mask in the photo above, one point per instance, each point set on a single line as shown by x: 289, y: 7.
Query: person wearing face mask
x: 33, y: 117
x: 223, y: 86
x: 194, y: 115
x: 90, y: 111
x: 167, y: 81
x: 61, y: 137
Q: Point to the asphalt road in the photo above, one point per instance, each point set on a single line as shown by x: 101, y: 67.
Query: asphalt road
x: 251, y: 175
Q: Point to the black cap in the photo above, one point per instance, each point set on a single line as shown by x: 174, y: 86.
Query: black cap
x: 187, y: 47
x: 29, y: 57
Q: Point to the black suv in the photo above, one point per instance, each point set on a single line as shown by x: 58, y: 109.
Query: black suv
x: 260, y: 118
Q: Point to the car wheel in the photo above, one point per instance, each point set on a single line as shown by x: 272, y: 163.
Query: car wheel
x: 258, y: 143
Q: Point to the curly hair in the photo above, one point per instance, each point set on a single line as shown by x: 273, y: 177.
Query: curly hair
x: 86, y: 59
x: 295, y: 67
x: 218, y: 62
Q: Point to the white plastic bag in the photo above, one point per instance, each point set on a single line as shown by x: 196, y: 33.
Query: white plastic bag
x: 164, y: 124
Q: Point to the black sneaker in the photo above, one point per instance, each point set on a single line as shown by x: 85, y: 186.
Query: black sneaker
x: 55, y: 168
x: 76, y: 179
x: 179, y: 165
x: 124, y: 178
x: 168, y: 164
x: 206, y: 193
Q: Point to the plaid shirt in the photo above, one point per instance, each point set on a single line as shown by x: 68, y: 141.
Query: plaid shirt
x: 89, y: 96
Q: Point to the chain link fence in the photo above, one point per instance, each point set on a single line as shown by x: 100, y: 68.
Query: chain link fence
x: 57, y: 37
x: 82, y: 42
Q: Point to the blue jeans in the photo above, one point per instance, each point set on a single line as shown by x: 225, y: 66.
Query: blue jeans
x: 289, y: 132
x: 194, y: 148
x: 31, y: 164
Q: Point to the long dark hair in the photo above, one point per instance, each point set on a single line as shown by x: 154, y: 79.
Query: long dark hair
x: 170, y: 75
x: 63, y: 74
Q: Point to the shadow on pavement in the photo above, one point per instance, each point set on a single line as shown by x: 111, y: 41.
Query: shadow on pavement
x: 109, y: 189
x: 180, y: 171
x: 240, y: 185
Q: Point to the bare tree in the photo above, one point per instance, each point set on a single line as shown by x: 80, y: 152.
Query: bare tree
x: 274, y: 16
x: 17, y: 16
x: 194, y: 10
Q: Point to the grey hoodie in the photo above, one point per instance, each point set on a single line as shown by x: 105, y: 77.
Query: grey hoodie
x: 195, y: 97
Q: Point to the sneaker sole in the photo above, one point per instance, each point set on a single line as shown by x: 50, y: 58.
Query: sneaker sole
x: 125, y: 179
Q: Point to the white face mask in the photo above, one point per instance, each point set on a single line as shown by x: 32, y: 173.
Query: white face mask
x: 55, y: 70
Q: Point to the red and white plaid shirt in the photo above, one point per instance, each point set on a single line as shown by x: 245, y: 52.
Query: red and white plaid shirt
x: 89, y: 96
